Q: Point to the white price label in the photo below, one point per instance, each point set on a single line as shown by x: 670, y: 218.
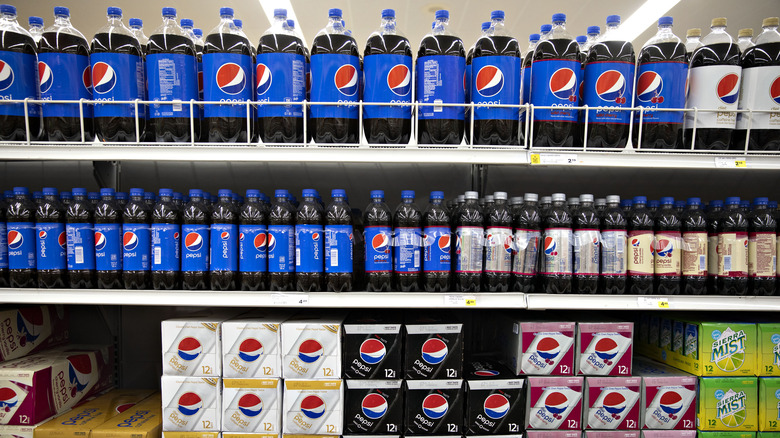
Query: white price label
x: 460, y: 300
x: 280, y: 299
x: 730, y: 162
x: 653, y: 302
x: 556, y: 159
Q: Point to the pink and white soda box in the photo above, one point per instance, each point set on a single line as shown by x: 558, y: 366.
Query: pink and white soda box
x: 669, y: 433
x: 554, y: 403
x: 553, y: 434
x: 611, y: 434
x: 547, y: 348
x: 604, y: 348
x: 668, y: 397
x: 612, y: 403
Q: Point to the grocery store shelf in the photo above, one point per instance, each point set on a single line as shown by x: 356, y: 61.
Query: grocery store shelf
x: 649, y: 160
x: 634, y: 302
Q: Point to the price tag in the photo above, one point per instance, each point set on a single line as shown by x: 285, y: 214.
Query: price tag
x: 729, y: 162
x: 553, y: 159
x: 653, y: 302
x: 290, y: 299
x: 460, y: 300
x: 741, y: 163
x: 535, y: 159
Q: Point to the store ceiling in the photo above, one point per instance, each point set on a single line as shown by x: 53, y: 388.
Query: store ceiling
x: 414, y: 16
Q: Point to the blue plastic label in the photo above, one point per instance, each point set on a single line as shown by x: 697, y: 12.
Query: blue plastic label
x: 526, y: 92
x: 388, y: 78
x: 437, y: 241
x: 195, y: 248
x: 379, y: 248
x: 136, y: 245
x: 280, y: 77
x: 252, y: 248
x: 117, y: 76
x: 166, y: 240
x: 661, y: 85
x: 338, y: 248
x: 81, y: 247
x: 227, y: 77
x: 281, y: 248
x: 65, y: 76
x: 21, y: 245
x: 610, y: 84
x: 309, y: 243
x: 441, y: 79
x: 172, y: 77
x: 496, y: 80
x: 338, y: 80
x: 224, y: 247
x: 3, y: 246
x: 50, y: 246
x: 18, y: 73
x: 108, y: 247
x: 407, y: 244
x: 554, y: 83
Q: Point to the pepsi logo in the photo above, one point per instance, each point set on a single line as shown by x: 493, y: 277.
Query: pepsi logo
x: 548, y: 349
x: 372, y: 351
x: 346, y: 80
x: 62, y: 240
x: 374, y: 406
x: 42, y: 234
x: 123, y: 407
x: 86, y: 78
x: 486, y: 373
x: 611, y: 86
x: 8, y: 398
x: 399, y: 80
x: 129, y: 240
x: 271, y: 242
x: 45, y: 76
x: 260, y: 241
x: 614, y: 403
x: 435, y: 406
x: 193, y: 241
x: 381, y: 243
x: 635, y: 242
x: 556, y: 403
x: 508, y: 247
x: 15, y: 238
x: 457, y: 244
x: 103, y: 78
x: 250, y: 349
x: 489, y: 81
x: 550, y: 247
x: 310, y: 351
x: 434, y: 351
x: 250, y: 405
x: 312, y: 407
x: 664, y: 248
x: 190, y: 403
x: 649, y: 87
x: 606, y: 349
x: 728, y: 88
x: 263, y: 74
x: 315, y: 236
x: 28, y: 322
x: 176, y: 235
x: 241, y: 237
x: 189, y: 348
x: 100, y: 241
x: 671, y: 403
x: 444, y: 242
x: 231, y: 78
x: 563, y: 84
x: 496, y: 406
x: 79, y: 372
x: 6, y: 75
x: 774, y: 90
x: 224, y: 235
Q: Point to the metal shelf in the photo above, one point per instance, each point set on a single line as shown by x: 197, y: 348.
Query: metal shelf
x: 630, y: 158
x: 634, y: 302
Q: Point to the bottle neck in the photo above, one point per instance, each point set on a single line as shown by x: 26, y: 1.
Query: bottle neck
x: 440, y: 26
x: 436, y: 201
x: 62, y: 21
x: 377, y: 200
x: 665, y: 30
x: 408, y: 200
x: 115, y: 20
x: 388, y: 26
x: 169, y: 21
x: 760, y: 207
x: 8, y: 17
x: 693, y: 39
x: 334, y: 24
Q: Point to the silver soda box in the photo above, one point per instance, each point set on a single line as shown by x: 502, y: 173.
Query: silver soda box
x: 311, y: 347
x: 192, y: 346
x: 252, y: 406
x: 313, y: 407
x: 191, y: 404
x: 251, y: 346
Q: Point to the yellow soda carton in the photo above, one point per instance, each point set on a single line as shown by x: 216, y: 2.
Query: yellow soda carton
x: 768, y: 349
x: 728, y: 403
x: 717, y: 349
x: 144, y: 420
x: 769, y: 404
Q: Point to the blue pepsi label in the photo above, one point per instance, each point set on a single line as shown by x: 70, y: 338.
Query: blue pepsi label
x: 379, y: 248
x: 108, y: 247
x: 309, y: 243
x: 496, y: 80
x: 195, y: 248
x: 661, y: 85
x: 172, y: 77
x: 407, y: 243
x: 3, y: 246
x: 437, y: 256
x: 338, y: 248
x: 281, y: 248
x: 166, y: 240
x: 224, y: 247
x: 227, y: 77
x: 388, y: 78
x: 51, y: 246
x: 65, y: 76
x: 280, y: 77
x: 81, y: 247
x: 554, y: 83
x: 441, y: 79
x: 18, y: 73
x: 338, y: 80
x: 117, y: 76
x: 21, y: 245
x: 526, y: 92
x: 136, y: 246
x: 609, y: 84
x: 252, y: 248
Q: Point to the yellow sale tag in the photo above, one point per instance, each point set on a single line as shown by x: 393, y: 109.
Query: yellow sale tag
x: 471, y: 302
x: 740, y: 163
x: 663, y: 304
x: 535, y: 159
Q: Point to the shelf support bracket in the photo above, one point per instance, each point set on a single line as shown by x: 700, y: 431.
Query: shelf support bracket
x: 107, y: 173
x: 479, y: 174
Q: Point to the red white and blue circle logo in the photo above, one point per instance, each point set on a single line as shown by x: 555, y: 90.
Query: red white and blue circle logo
x: 271, y: 242
x: 15, y: 239
x: 129, y: 240
x: 123, y: 407
x: 606, y: 349
x: 231, y: 78
x: 86, y: 78
x: 372, y: 351
x: 8, y: 398
x: 189, y: 348
x: 42, y: 234
x: 374, y: 406
x: 434, y: 351
x: 225, y: 235
x: 671, y: 403
x: 728, y: 88
x: 312, y: 407
x: 62, y: 240
x: 635, y: 242
x: 6, y: 75
x: 28, y: 322
x: 774, y: 90
x: 315, y: 236
x: 611, y: 86
x: 103, y: 78
x: 496, y: 406
x: 260, y: 241
x: 649, y: 87
x: 550, y: 247
x: 100, y: 241
x: 346, y: 80
x: 263, y: 74
x: 381, y: 243
x: 79, y: 372
x: 489, y: 81
x: 435, y: 406
x: 556, y: 403
x: 310, y: 351
x: 399, y: 80
x: 563, y: 84
x: 193, y: 241
x: 250, y: 349
x: 444, y: 242
x: 548, y: 349
x: 250, y: 405
x: 508, y: 247
x: 190, y: 403
x: 486, y: 373
x: 664, y: 248
x: 615, y: 404
x: 45, y: 76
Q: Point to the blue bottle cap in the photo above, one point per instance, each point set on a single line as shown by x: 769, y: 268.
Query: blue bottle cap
x: 66, y: 195
x: 61, y: 11
x: 78, y: 191
x: 593, y: 30
x: 733, y: 200
x: 309, y: 193
x: 254, y: 194
x: 107, y: 192
x: 407, y: 194
x: 197, y: 32
x: 626, y: 203
x: 280, y: 193
x: 238, y: 23
x: 640, y: 200
x: 93, y: 195
x: 136, y: 22
x: 694, y: 201
x: 8, y: 9
x: 291, y: 24
x: 226, y: 12
x: 148, y: 195
x: 667, y: 200
x: 581, y: 39
x: 559, y: 18
x: 280, y: 12
x: 334, y: 13
x: 497, y: 15
x: 716, y: 203
x: 534, y: 37
x: 168, y: 12
x: 388, y: 13
x: 545, y: 28
x: 186, y: 22
x: 338, y: 193
x: 613, y: 19
x: 225, y: 193
x: 485, y: 26
x: 437, y: 195
x: 166, y: 192
x: 113, y: 11
x: 442, y: 14
x: 772, y: 204
x: 196, y: 192
x: 679, y: 204
x: 35, y: 21
x: 665, y: 21
x: 377, y: 194
x: 744, y: 203
x: 178, y: 196
x: 761, y: 201
x: 121, y: 195
x: 654, y: 203
x: 49, y: 191
x: 37, y: 195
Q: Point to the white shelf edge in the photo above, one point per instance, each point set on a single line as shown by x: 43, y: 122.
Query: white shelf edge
x: 634, y: 302
x: 632, y: 159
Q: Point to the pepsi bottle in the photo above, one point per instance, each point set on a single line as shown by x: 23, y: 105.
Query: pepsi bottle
x: 50, y: 246
x: 93, y: 197
x: 527, y: 235
x: 166, y: 242
x: 714, y: 210
x: 108, y: 241
x: 65, y: 198
x: 378, y: 232
x: 80, y: 219
x: 137, y: 28
x: 36, y: 28
x: 469, y: 244
x: 227, y: 65
x: 692, y: 42
x: 20, y: 222
x: 554, y: 73
x: 733, y: 250
x: 339, y: 244
x: 136, y: 242
x: 713, y: 83
x: 199, y: 47
x: 640, y: 248
x: 172, y: 76
x: 387, y: 64
x: 660, y: 84
x: 253, y: 243
x: 667, y: 257
x: 281, y: 243
x: 407, y: 244
x: 469, y: 78
x: 195, y: 242
x: 587, y: 247
x: 224, y: 243
x: 335, y: 62
x: 440, y: 52
x: 498, y: 245
x: 613, y: 248
x: 556, y: 266
x: 64, y: 72
x: 694, y: 249
x: 309, y: 244
x: 117, y: 74
x: 762, y: 249
x: 437, y: 256
x: 533, y: 40
x: 18, y: 79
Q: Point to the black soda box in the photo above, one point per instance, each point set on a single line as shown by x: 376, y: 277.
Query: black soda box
x: 434, y: 407
x: 371, y: 347
x: 434, y: 347
x: 373, y: 407
x: 495, y: 399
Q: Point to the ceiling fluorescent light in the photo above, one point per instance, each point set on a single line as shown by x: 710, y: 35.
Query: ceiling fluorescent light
x: 644, y: 17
